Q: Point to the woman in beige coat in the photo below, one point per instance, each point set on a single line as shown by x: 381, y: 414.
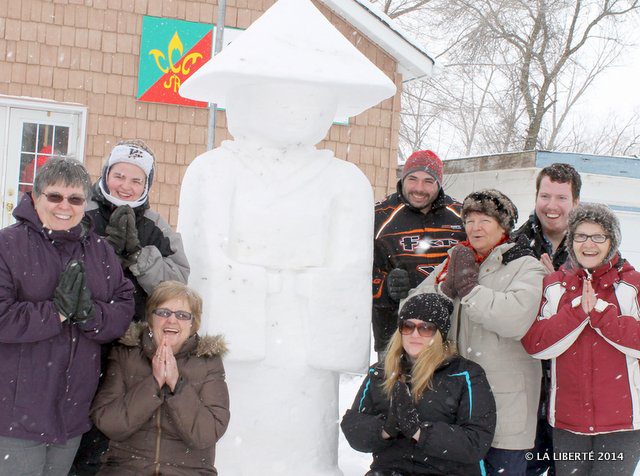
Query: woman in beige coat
x: 496, y: 286
x: 164, y: 403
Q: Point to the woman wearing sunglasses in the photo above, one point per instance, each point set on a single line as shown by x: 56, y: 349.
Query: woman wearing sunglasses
x: 164, y: 402
x: 425, y: 410
x: 589, y: 326
x: 496, y: 286
x: 150, y: 251
x: 62, y: 294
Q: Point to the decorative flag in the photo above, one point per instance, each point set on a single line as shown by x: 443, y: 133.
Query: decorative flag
x: 171, y: 51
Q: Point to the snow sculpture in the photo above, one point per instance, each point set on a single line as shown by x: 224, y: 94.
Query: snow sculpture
x: 279, y: 237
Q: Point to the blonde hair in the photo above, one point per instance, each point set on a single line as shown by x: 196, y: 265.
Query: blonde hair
x: 429, y: 359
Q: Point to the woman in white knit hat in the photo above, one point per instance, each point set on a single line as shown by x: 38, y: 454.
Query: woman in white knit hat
x: 150, y: 251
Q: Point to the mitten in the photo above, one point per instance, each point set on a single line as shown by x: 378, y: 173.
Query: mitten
x: 116, y: 229
x: 132, y: 242
x: 65, y: 297
x: 465, y: 270
x: 398, y: 284
x: 391, y: 424
x: 85, y: 309
x: 404, y: 409
x: 447, y: 287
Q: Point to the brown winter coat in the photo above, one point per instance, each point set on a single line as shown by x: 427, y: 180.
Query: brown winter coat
x: 153, y: 431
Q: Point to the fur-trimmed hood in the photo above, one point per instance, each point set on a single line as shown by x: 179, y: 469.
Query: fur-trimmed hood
x: 205, y: 346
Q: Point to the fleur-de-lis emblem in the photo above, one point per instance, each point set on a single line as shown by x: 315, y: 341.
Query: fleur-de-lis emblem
x: 180, y: 68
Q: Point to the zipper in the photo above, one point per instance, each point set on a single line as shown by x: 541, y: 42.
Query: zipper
x: 158, y: 437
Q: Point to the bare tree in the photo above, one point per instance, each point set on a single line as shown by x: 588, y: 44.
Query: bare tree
x: 515, y: 69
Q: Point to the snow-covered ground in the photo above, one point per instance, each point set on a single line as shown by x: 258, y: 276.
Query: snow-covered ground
x: 351, y: 462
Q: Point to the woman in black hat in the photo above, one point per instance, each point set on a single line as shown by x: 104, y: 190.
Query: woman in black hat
x: 425, y: 410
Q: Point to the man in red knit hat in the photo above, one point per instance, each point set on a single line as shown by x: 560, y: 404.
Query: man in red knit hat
x: 414, y: 229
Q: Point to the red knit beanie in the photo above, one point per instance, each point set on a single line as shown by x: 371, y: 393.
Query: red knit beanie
x: 424, y: 161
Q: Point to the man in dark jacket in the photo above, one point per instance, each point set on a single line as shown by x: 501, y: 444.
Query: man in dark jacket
x: 557, y: 193
x: 62, y: 294
x: 414, y: 229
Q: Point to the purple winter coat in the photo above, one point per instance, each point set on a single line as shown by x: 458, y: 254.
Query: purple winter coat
x: 49, y: 369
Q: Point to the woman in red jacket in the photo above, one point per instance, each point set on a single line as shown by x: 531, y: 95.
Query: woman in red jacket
x: 589, y: 326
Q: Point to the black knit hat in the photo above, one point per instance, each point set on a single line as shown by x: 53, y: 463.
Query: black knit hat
x: 428, y: 307
x: 493, y: 203
x: 600, y: 215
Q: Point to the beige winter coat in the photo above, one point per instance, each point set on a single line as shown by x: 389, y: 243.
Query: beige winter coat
x: 487, y: 325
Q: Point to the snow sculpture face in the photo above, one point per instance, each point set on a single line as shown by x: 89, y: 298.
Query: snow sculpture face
x: 281, y: 114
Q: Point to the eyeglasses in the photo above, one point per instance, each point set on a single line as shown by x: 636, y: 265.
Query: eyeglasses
x: 425, y: 329
x: 166, y: 314
x: 55, y: 197
x: 597, y: 238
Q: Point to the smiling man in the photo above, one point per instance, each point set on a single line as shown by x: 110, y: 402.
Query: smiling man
x: 414, y: 229
x: 557, y: 193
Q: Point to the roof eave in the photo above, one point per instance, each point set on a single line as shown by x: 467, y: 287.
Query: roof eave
x: 413, y: 62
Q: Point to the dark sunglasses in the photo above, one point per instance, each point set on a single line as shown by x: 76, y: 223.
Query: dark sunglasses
x: 166, y: 314
x: 425, y: 329
x: 55, y: 197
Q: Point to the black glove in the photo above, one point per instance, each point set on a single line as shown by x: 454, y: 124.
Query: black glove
x: 391, y: 424
x: 66, y: 295
x: 463, y: 270
x: 398, y: 284
x: 85, y: 309
x: 123, y: 234
x: 404, y: 409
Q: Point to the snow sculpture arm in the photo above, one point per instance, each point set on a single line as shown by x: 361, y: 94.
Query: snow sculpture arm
x: 234, y: 293
x: 339, y: 291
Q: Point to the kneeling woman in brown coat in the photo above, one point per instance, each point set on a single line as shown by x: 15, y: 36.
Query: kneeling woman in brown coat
x: 164, y: 403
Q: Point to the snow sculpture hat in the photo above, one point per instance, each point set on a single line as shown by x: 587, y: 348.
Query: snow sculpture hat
x: 600, y: 215
x: 424, y: 161
x: 134, y: 152
x: 493, y: 203
x: 292, y: 41
x: 428, y: 307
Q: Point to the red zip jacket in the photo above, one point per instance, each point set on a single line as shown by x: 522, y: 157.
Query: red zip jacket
x: 595, y: 367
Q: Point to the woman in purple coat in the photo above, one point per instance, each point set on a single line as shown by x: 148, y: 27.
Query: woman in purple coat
x: 62, y: 294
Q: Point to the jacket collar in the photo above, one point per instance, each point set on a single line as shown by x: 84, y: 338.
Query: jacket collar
x: 606, y: 274
x: 107, y: 207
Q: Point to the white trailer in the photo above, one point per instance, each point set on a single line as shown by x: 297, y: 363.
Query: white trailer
x: 614, y: 181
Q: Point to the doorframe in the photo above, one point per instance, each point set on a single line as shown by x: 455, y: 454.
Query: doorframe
x: 8, y: 103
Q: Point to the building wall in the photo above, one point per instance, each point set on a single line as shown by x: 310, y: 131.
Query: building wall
x: 86, y: 52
